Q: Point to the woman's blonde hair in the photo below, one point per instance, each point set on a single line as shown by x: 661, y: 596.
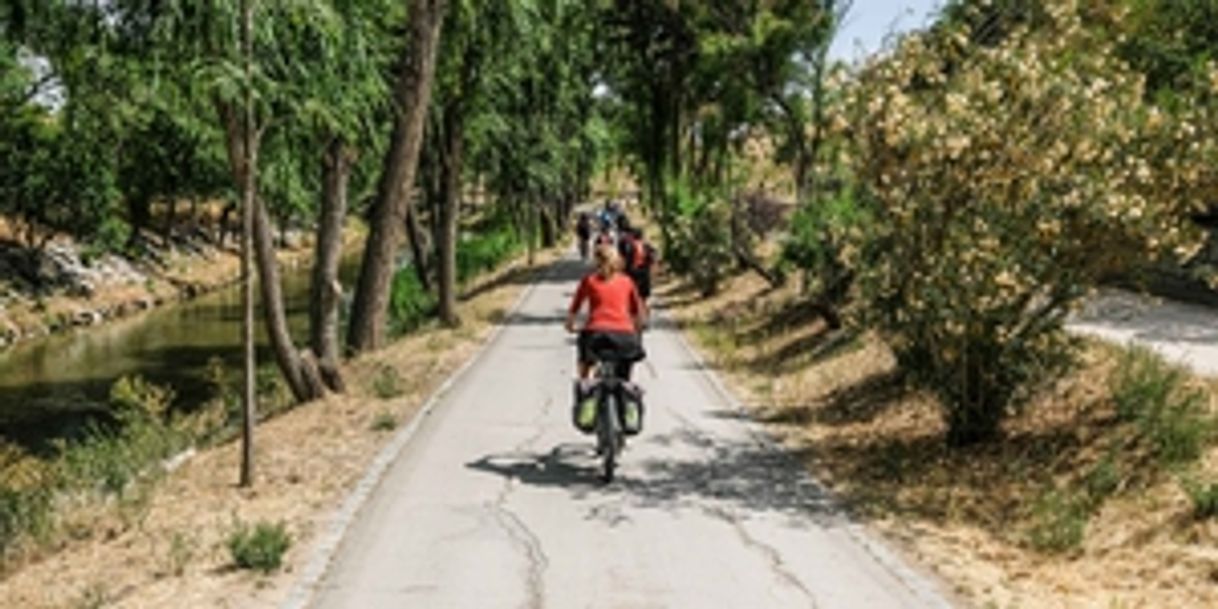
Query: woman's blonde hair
x: 608, y: 261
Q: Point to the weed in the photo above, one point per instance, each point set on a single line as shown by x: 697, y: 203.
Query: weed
x: 95, y: 596
x: 181, y: 553
x: 23, y: 512
x: 259, y: 548
x: 1059, y: 521
x: 385, y: 421
x: 1170, y: 417
x: 1204, y: 496
x: 1102, y: 481
x: 387, y: 384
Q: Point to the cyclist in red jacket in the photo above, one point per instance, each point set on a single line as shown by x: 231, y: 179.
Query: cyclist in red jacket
x: 617, y: 314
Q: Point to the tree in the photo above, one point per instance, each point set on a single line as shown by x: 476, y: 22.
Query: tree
x: 412, y: 97
x: 475, y: 46
x: 1005, y: 180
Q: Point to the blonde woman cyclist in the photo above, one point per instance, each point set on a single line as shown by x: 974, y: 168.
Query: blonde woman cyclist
x: 616, y: 316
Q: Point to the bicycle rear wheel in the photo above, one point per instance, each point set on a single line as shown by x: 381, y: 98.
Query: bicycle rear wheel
x: 608, y: 435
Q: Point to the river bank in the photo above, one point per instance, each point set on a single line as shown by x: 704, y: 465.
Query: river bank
x: 168, y: 546
x: 65, y: 286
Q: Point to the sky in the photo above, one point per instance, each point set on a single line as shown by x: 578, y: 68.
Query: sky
x: 869, y: 21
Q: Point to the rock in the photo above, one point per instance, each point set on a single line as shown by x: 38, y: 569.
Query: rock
x: 87, y: 318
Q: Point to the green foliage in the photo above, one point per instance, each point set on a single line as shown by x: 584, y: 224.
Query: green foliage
x: 1171, y: 41
x: 1204, y: 497
x: 484, y: 251
x: 1060, y: 521
x: 108, y: 460
x: 384, y: 421
x: 388, y: 383
x: 259, y: 548
x: 24, y: 512
x: 134, y: 399
x: 700, y: 236
x: 409, y: 304
x: 1171, y: 418
x: 112, y: 237
x: 827, y: 240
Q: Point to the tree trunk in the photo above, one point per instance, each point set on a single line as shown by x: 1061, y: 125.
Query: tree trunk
x: 420, y: 245
x: 304, y: 387
x: 449, y: 212
x: 245, y: 169
x: 412, y: 96
x: 326, y: 290
x: 242, y: 147
x: 171, y: 219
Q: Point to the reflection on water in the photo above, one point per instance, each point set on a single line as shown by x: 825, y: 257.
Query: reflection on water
x: 51, y: 382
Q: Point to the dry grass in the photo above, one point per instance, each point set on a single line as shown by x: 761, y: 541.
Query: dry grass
x: 172, y: 554
x: 835, y: 399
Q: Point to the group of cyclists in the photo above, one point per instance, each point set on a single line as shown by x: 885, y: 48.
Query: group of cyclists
x: 615, y: 293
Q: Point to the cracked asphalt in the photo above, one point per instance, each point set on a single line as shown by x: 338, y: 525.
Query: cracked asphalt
x: 495, y: 502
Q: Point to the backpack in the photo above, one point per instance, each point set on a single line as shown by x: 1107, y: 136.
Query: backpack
x: 642, y: 255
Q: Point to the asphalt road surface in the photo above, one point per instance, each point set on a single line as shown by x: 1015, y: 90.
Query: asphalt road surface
x: 496, y: 501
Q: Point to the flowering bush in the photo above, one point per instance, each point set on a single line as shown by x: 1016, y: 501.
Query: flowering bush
x: 1005, y: 180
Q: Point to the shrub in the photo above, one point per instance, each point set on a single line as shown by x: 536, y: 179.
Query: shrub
x: 384, y: 421
x: 112, y: 236
x: 1005, y: 181
x: 1204, y: 497
x: 409, y: 303
x: 826, y: 241
x: 259, y: 548
x: 387, y: 384
x: 23, y: 512
x: 108, y: 458
x: 133, y: 398
x: 1059, y: 521
x: 1171, y: 418
x: 485, y: 251
x: 701, y: 239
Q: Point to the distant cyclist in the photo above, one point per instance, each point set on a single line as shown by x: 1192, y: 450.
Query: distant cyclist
x: 638, y: 258
x: 583, y: 233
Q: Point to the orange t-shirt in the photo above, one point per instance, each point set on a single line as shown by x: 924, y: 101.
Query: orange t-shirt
x: 615, y: 302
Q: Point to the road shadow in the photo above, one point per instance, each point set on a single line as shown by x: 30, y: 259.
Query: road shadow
x: 745, y: 476
x: 561, y: 271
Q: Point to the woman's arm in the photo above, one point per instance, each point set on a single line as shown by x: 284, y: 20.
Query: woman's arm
x: 577, y: 302
x: 641, y: 313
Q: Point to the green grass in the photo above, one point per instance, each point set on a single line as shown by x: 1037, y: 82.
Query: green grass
x: 1171, y: 418
x: 384, y: 421
x: 1204, y: 497
x: 1059, y: 521
x: 114, y: 463
x: 260, y: 547
x: 388, y: 383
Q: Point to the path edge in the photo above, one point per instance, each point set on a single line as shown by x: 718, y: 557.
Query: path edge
x: 930, y: 591
x: 326, y: 546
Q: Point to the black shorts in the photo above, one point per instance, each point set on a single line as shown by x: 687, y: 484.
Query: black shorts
x: 642, y: 282
x: 622, y: 346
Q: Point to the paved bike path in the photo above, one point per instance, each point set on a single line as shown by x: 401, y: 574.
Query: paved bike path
x: 495, y: 502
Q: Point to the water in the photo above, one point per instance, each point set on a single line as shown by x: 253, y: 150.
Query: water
x: 50, y: 385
